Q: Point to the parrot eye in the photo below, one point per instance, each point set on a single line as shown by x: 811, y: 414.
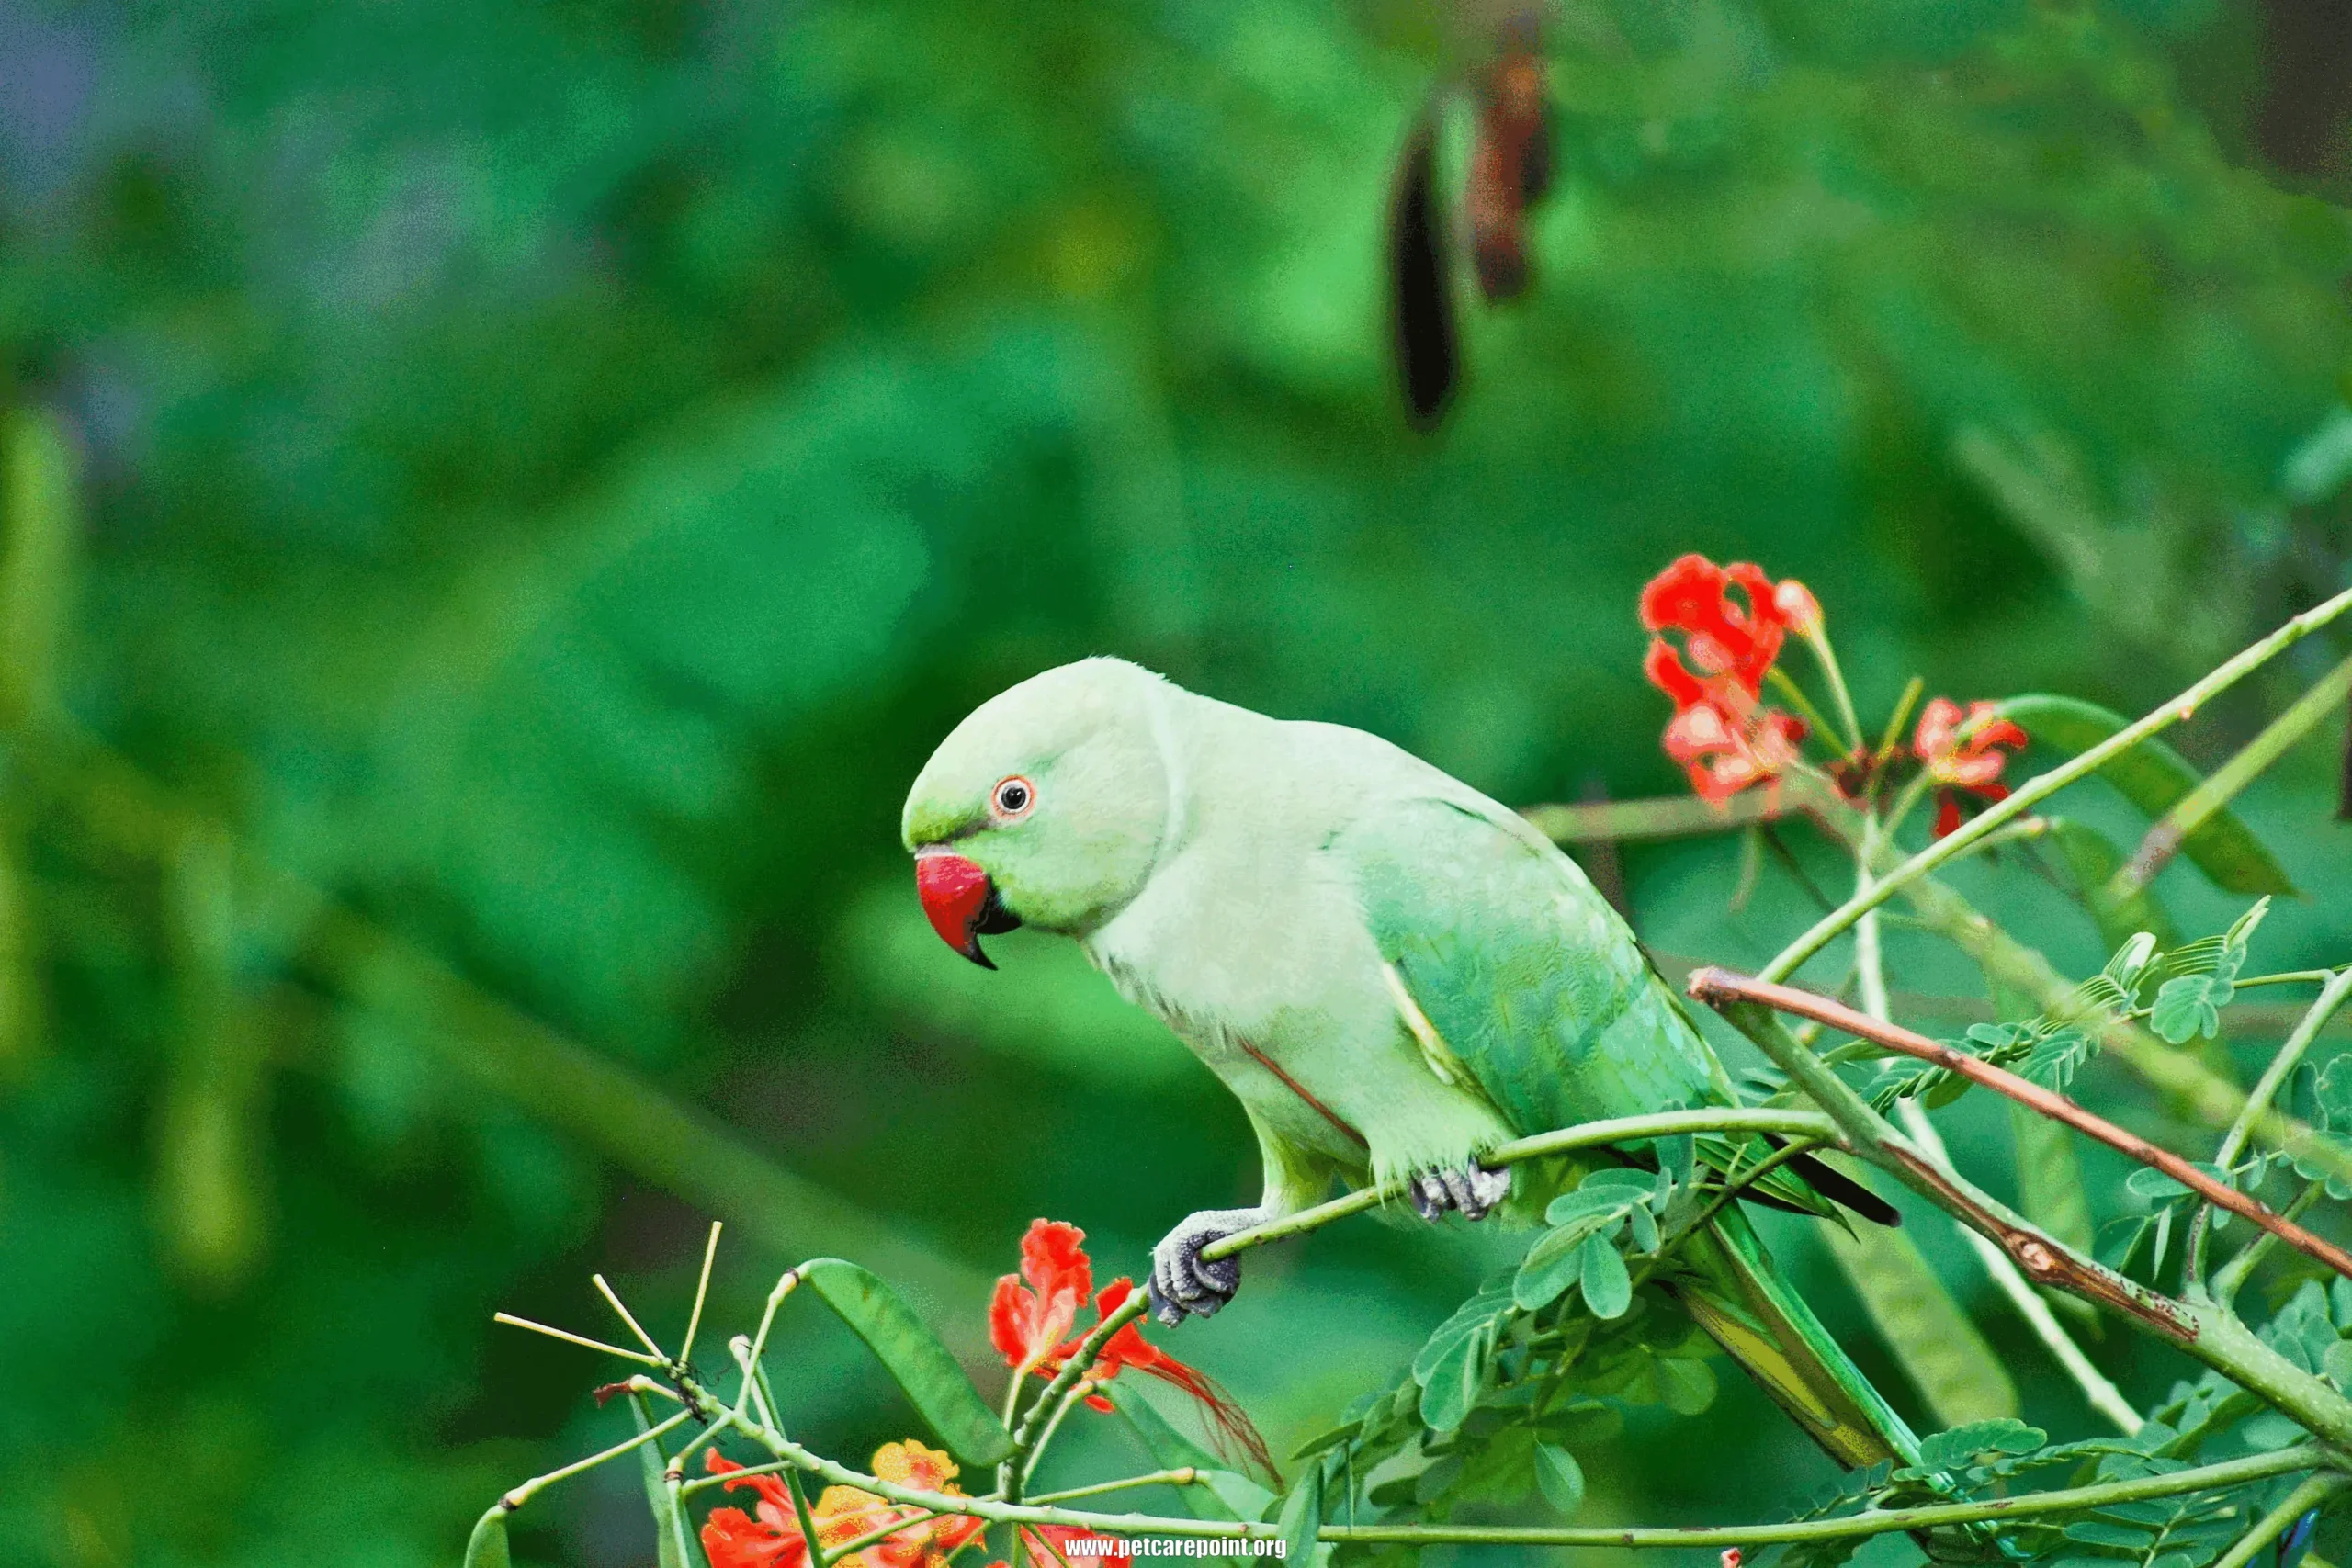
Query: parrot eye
x: 1014, y: 796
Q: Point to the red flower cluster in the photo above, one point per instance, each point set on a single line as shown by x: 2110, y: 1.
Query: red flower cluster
x: 733, y: 1539
x: 1720, y: 732
x: 1032, y: 1321
x: 1972, y: 764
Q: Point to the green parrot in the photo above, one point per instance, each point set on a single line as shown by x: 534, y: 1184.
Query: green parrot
x: 1392, y: 972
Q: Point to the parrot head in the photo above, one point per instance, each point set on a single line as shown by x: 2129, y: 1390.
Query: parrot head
x: 1045, y: 808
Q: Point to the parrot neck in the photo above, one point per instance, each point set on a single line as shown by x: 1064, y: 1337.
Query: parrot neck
x: 1174, y: 779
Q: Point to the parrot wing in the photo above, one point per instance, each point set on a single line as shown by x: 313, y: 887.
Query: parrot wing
x: 1532, y: 982
x: 1542, y: 993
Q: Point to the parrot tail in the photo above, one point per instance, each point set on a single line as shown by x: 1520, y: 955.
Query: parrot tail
x: 1738, y: 1295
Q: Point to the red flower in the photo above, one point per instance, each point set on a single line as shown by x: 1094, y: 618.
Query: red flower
x: 733, y: 1539
x: 1032, y: 1321
x: 1721, y: 640
x: 1720, y: 733
x: 1972, y: 764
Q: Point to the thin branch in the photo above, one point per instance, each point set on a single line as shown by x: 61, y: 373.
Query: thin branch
x: 2230, y: 1276
x: 701, y: 1289
x: 614, y: 1301
x: 1876, y: 1521
x: 2193, y: 810
x: 2314, y: 1490
x: 2258, y: 1100
x: 1714, y: 986
x: 2098, y: 1388
x: 2043, y: 785
x: 1592, y: 1135
x: 1182, y: 1476
x: 568, y: 1338
x: 521, y: 1495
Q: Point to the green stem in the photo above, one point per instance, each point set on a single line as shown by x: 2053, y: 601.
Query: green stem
x: 1062, y: 1407
x: 1013, y: 1474
x: 1182, y: 1476
x: 1818, y: 640
x: 1787, y: 687
x: 2193, y: 810
x: 2266, y: 1089
x: 2043, y: 785
x: 1913, y: 690
x: 2232, y: 1274
x: 1876, y: 1521
x: 2314, y: 1490
x: 748, y: 1355
x: 1592, y: 1134
x: 538, y: 1484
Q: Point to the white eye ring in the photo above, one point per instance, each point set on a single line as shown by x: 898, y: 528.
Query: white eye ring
x: 1015, y: 797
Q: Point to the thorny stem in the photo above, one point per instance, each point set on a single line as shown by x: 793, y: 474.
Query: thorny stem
x: 1077, y: 1392
x: 1013, y: 1474
x: 2043, y: 785
x: 1592, y: 1135
x: 1715, y: 985
x: 2097, y: 1390
x: 2314, y: 1490
x: 2212, y: 1335
x: 2266, y: 1089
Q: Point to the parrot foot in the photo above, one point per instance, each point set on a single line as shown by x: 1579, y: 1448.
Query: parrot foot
x: 1472, y: 1188
x: 1181, y: 1283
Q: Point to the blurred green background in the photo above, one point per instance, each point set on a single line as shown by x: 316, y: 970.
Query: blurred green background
x: 501, y: 499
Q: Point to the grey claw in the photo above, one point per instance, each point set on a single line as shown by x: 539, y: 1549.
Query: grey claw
x: 1472, y: 1191
x: 1181, y: 1283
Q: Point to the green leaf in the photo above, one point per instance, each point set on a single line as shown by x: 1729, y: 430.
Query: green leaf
x: 1302, y: 1516
x: 1688, y: 1387
x: 2152, y: 776
x: 2334, y: 1094
x: 1608, y: 1288
x: 2189, y: 1006
x: 486, y: 1547
x: 1954, y: 1448
x: 1551, y: 1265
x: 908, y: 1349
x: 2337, y: 1364
x: 1559, y: 1477
x: 2155, y: 1185
x: 1330, y: 1439
x: 1644, y: 1223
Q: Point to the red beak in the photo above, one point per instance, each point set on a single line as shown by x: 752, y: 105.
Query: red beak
x: 960, y: 901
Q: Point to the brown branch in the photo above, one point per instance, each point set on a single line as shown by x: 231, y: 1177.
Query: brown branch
x: 1714, y: 986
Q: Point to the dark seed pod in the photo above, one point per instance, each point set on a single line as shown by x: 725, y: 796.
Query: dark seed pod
x: 1421, y: 298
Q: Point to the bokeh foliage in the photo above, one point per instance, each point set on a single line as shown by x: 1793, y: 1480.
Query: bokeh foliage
x: 502, y: 498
